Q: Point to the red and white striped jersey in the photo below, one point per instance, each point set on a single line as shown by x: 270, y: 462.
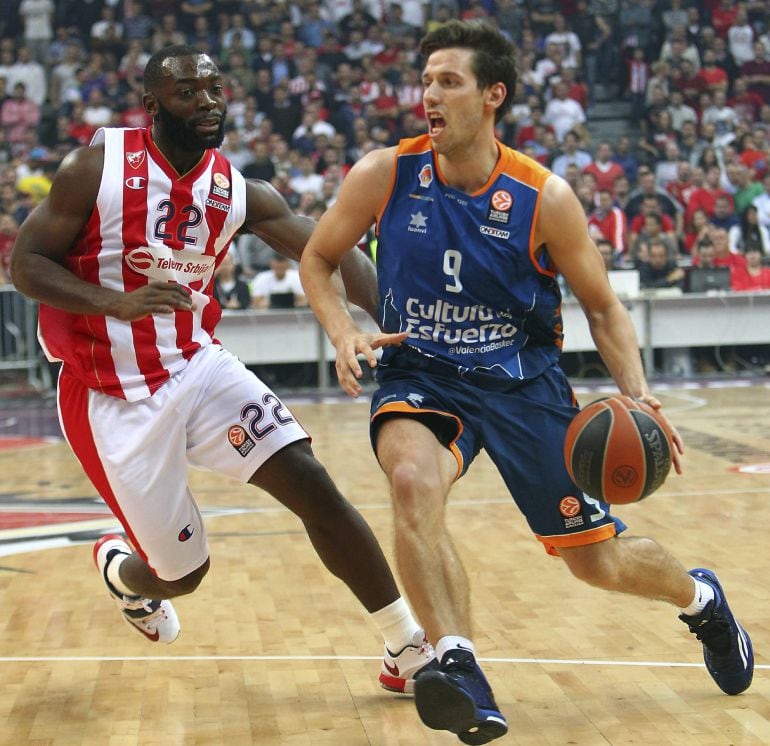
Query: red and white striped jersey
x: 148, y: 223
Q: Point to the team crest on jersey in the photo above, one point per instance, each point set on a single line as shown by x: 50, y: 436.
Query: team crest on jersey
x: 425, y: 176
x: 135, y: 158
x: 220, y: 186
x: 501, y: 203
x: 240, y: 440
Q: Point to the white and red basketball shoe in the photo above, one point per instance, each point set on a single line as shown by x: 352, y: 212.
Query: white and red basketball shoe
x: 156, y: 620
x: 400, y: 669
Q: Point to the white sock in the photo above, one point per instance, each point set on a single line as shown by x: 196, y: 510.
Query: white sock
x: 113, y: 574
x: 397, y: 625
x: 703, y: 594
x: 453, y: 641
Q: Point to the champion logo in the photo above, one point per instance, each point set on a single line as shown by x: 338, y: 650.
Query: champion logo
x: 136, y: 182
x: 135, y: 158
x: 186, y: 533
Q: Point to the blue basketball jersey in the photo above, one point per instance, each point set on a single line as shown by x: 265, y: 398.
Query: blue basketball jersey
x: 460, y: 273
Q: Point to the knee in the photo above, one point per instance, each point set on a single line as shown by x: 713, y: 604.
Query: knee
x: 189, y: 582
x: 418, y: 496
x: 595, y: 564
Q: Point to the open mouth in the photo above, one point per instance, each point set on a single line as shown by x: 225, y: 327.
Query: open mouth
x: 435, y: 124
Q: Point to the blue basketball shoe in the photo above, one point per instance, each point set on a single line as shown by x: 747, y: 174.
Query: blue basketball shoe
x: 727, y: 649
x: 458, y: 698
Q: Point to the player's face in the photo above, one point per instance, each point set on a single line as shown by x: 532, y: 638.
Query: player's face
x: 189, y: 105
x: 454, y: 104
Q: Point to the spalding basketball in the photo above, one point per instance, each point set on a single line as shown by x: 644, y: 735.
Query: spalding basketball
x: 618, y: 450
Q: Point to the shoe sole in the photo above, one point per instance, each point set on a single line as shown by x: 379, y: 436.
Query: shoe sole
x: 441, y: 705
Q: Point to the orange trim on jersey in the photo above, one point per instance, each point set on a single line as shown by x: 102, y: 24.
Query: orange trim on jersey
x: 407, y: 146
x: 580, y: 539
x: 402, y: 408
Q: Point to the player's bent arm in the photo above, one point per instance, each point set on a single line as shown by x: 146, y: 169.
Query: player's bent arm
x: 46, y: 237
x: 562, y: 228
x: 361, y: 196
x: 270, y: 217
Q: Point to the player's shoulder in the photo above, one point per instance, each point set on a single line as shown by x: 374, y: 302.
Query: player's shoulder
x: 82, y: 165
x: 523, y: 168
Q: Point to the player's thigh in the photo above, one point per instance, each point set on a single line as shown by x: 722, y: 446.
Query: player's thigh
x: 134, y: 454
x: 235, y: 422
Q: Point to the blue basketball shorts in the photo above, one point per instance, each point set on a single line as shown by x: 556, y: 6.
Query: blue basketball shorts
x: 521, y: 427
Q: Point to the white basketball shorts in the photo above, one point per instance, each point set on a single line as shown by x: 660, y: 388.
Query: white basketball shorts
x: 214, y: 414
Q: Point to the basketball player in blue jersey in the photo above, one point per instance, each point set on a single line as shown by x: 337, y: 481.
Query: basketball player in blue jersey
x: 471, y: 235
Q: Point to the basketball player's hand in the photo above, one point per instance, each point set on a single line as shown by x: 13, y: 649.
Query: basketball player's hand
x: 156, y: 297
x: 350, y: 346
x: 675, y: 436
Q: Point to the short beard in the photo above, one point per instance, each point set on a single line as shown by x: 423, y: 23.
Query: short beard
x: 178, y: 131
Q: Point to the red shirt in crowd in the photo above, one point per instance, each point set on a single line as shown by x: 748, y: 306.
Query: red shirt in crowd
x: 740, y: 279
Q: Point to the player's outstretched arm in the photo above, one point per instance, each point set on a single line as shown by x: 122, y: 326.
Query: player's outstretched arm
x: 269, y: 217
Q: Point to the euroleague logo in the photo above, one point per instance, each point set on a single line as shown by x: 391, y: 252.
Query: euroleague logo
x: 501, y: 200
x: 569, y: 506
x: 236, y: 435
x: 140, y: 260
x: 624, y: 476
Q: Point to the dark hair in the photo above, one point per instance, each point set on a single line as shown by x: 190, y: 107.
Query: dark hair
x: 153, y: 71
x: 494, y: 58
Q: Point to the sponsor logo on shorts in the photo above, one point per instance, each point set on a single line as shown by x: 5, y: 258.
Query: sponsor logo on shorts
x: 570, y: 508
x: 240, y: 440
x: 186, y: 533
x: 415, y: 400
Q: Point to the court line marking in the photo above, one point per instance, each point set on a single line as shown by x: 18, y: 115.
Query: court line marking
x: 301, y: 658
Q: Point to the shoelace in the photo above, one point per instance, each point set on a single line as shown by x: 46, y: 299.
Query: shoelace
x: 714, y: 634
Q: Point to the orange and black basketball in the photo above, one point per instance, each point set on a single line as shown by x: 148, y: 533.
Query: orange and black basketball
x: 618, y: 450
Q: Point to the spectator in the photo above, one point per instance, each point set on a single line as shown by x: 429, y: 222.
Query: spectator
x: 748, y: 231
x: 230, y: 291
x: 757, y: 72
x: 37, y: 17
x: 762, y: 203
x: 648, y: 228
x: 609, y: 255
x: 609, y: 222
x: 705, y: 197
x: 667, y: 168
x: 571, y: 154
x: 679, y: 111
x: 277, y: 285
x: 604, y: 168
x: 714, y: 76
x: 563, y: 113
x: 648, y: 188
x: 638, y: 81
x: 659, y: 270
x: 740, y: 37
x: 753, y: 275
x: 18, y: 115
x: 96, y: 112
x: 724, y: 214
x: 8, y: 230
x: 32, y: 74
x: 723, y: 257
x: 682, y: 187
x: 698, y: 229
x: 748, y: 188
x: 567, y: 41
x: 746, y: 103
x: 625, y: 157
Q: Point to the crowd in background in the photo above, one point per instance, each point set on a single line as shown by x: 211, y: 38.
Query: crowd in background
x: 312, y: 85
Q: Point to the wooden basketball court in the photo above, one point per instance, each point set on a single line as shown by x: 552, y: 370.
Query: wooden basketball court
x: 275, y: 651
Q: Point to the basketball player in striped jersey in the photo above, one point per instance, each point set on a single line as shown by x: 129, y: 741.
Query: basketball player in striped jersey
x: 121, y: 256
x: 471, y: 236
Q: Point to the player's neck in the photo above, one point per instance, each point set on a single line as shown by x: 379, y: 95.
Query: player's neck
x: 180, y: 159
x: 469, y: 169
